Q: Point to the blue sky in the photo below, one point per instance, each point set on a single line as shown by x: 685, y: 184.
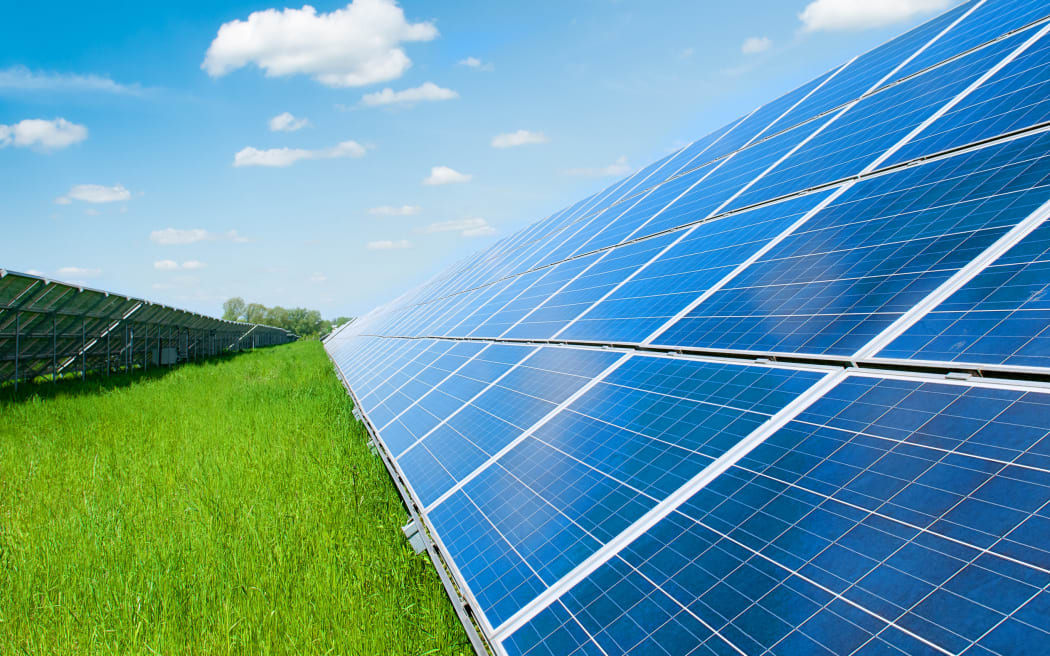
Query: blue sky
x: 332, y: 157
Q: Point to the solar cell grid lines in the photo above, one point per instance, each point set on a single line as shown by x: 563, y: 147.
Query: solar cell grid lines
x: 782, y: 391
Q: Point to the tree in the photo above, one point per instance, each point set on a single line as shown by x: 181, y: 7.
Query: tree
x: 301, y: 321
x: 255, y: 313
x: 233, y: 309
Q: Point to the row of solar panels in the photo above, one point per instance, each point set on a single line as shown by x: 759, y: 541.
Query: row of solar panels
x: 49, y: 328
x: 780, y: 392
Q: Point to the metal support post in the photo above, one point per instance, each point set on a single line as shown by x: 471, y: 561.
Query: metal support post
x: 18, y: 348
x: 83, y: 349
x: 54, y: 347
x: 109, y: 363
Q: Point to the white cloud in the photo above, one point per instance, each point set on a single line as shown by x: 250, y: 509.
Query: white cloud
x: 465, y: 227
x: 285, y: 122
x: 91, y: 211
x: 862, y: 14
x: 619, y: 167
x: 440, y: 175
x: 80, y: 272
x: 686, y: 53
x: 428, y: 91
x: 318, y: 278
x: 173, y: 236
x: 348, y: 47
x: 20, y: 78
x: 287, y: 156
x: 90, y: 193
x: 177, y: 237
x: 44, y: 134
x: 172, y: 265
x: 391, y: 210
x: 519, y: 138
x: 476, y: 64
x: 755, y: 44
x: 386, y: 244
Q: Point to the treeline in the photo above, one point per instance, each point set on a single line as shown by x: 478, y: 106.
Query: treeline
x: 302, y: 322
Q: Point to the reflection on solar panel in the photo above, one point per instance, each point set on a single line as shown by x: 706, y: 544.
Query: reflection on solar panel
x: 785, y: 391
x: 49, y: 328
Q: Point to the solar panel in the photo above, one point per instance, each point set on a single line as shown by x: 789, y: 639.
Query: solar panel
x: 782, y: 391
x: 50, y: 328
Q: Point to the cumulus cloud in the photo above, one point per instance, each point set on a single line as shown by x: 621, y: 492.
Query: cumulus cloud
x: 465, y: 227
x: 41, y: 133
x: 287, y: 156
x: 440, y: 175
x: 392, y: 210
x: 428, y: 91
x: 349, y: 47
x: 386, y: 244
x: 858, y: 15
x: 519, y: 138
x: 172, y: 265
x: 755, y: 44
x: 285, y: 122
x: 177, y: 237
x: 476, y: 64
x: 91, y: 193
x: 318, y: 278
x: 20, y: 78
x: 619, y: 167
x: 80, y: 272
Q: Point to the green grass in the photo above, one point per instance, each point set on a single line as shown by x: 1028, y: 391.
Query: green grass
x: 230, y: 507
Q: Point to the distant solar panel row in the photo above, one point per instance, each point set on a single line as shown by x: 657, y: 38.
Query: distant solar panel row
x: 49, y: 328
x: 783, y: 391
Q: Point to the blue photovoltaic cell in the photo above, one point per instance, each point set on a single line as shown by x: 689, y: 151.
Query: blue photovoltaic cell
x: 885, y: 244
x: 855, y: 139
x: 452, y: 447
x: 628, y: 442
x: 709, y: 253
x: 861, y: 75
x: 1001, y: 317
x: 704, y: 192
x: 1016, y: 97
x: 544, y: 285
x: 591, y: 497
x: 632, y: 219
x: 986, y: 23
x: 890, y: 517
x: 764, y: 121
x: 606, y: 272
x: 510, y: 290
x: 403, y: 386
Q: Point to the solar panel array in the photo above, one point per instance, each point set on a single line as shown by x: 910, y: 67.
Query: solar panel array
x: 50, y: 328
x: 784, y: 391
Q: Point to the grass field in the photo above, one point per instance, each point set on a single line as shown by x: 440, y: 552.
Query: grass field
x: 225, y: 507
